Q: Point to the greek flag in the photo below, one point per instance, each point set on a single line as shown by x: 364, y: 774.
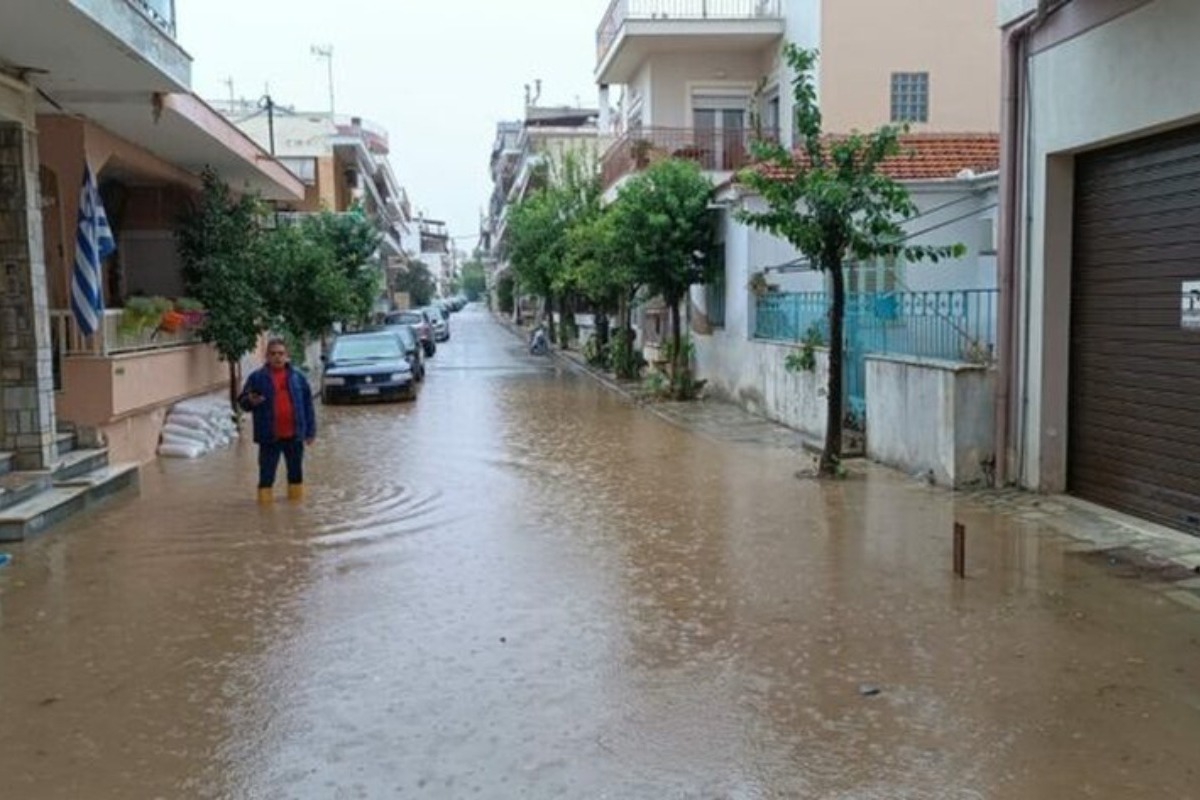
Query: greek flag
x: 93, y: 243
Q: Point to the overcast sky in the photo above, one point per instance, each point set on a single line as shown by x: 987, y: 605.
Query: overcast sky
x: 438, y: 74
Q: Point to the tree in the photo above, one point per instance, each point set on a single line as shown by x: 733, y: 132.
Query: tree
x: 220, y: 243
x: 606, y: 278
x: 307, y: 291
x: 474, y: 279
x: 661, y: 217
x: 834, y: 204
x: 536, y: 242
x: 353, y: 243
x: 568, y: 195
x: 417, y: 282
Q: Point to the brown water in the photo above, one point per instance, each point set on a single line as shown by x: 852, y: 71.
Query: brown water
x: 520, y: 586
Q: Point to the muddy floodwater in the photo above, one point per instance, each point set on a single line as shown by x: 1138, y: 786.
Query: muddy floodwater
x: 523, y: 586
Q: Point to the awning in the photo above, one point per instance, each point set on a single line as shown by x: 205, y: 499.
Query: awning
x: 185, y: 131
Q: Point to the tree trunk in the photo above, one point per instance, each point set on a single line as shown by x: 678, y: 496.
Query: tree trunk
x: 548, y: 310
x: 831, y: 457
x: 678, y: 358
x: 234, y: 386
x: 602, y: 328
x: 623, y: 344
x: 566, y: 319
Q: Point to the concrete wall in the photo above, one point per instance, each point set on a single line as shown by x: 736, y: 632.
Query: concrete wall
x: 98, y: 390
x: 930, y: 417
x: 677, y: 77
x: 753, y: 375
x: 955, y: 41
x: 1087, y: 92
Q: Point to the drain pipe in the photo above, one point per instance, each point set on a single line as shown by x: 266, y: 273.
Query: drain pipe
x: 1012, y: 156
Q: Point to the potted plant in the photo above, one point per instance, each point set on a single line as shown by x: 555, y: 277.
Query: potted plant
x: 758, y: 285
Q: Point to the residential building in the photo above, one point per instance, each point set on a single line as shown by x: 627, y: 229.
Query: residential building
x: 700, y: 80
x: 436, y: 252
x: 529, y: 152
x: 344, y: 164
x: 102, y: 84
x: 1098, y: 243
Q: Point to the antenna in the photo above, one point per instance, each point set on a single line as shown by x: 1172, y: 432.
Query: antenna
x: 537, y: 95
x: 232, y: 98
x: 326, y: 52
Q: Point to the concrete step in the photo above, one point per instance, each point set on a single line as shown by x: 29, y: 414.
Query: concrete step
x: 56, y: 503
x: 6, y: 463
x: 79, y: 462
x: 17, y: 487
x: 64, y: 442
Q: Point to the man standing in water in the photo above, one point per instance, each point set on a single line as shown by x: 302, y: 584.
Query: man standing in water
x: 284, y: 420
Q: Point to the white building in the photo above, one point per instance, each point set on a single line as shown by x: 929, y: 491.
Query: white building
x: 700, y: 80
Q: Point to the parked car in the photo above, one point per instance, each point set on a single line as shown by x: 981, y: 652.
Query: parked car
x: 439, y: 323
x: 413, y: 351
x: 421, y: 324
x: 367, y: 366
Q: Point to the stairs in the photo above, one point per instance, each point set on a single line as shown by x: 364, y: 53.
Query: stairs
x: 31, y: 502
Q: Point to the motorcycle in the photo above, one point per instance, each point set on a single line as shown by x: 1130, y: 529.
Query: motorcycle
x: 538, y: 344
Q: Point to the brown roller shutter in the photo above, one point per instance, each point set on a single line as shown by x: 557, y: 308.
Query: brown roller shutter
x: 1134, y: 434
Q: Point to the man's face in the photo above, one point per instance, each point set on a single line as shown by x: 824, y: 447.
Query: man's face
x: 276, y: 355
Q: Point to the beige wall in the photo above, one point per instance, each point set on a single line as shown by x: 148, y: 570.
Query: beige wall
x: 63, y: 144
x: 97, y: 391
x: 676, y: 76
x: 956, y: 41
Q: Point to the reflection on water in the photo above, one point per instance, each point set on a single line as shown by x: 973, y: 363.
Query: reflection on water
x: 522, y: 586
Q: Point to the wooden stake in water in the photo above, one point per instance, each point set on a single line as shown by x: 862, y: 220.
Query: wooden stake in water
x: 960, y: 550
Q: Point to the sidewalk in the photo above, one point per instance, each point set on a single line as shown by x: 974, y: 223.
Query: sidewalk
x: 1130, y: 546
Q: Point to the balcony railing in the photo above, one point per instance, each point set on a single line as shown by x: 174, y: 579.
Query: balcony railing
x: 160, y: 12
x: 713, y: 150
x: 621, y: 10
x: 112, y: 338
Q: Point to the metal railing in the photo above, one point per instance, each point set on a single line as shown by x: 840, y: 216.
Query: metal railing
x: 621, y: 10
x: 112, y: 338
x: 958, y: 325
x: 713, y: 150
x: 160, y: 12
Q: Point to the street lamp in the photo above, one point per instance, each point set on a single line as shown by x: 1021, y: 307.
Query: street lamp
x: 326, y: 53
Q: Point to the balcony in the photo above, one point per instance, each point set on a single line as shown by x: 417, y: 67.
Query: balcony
x: 713, y: 150
x: 160, y: 12
x: 114, y: 338
x: 633, y: 29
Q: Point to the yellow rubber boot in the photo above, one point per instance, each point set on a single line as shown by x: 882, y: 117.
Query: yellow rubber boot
x: 295, y: 491
x: 265, y: 497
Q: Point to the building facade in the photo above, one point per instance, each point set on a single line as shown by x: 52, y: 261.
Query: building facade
x: 103, y: 85
x: 1100, y: 228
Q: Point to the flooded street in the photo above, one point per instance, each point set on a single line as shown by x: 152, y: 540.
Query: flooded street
x: 522, y: 586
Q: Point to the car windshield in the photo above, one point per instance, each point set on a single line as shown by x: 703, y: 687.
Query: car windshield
x: 404, y: 318
x: 407, y: 337
x: 366, y: 348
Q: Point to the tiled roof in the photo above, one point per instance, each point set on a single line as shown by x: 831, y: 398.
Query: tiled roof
x: 939, y: 156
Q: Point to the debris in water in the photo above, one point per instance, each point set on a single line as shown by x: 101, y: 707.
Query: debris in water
x: 5, y: 559
x: 867, y: 690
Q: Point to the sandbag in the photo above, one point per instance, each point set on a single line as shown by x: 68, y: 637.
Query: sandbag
x: 180, y: 432
x: 180, y: 450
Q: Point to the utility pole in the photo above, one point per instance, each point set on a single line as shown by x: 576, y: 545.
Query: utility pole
x: 268, y: 104
x: 326, y: 53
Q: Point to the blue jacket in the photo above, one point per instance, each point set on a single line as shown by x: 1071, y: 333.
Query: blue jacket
x: 264, y: 413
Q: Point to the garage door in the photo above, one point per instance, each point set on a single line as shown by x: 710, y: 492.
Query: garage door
x: 1135, y: 330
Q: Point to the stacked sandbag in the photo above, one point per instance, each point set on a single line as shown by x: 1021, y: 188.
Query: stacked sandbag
x: 197, y: 426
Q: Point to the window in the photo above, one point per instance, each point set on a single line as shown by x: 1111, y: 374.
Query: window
x: 714, y: 290
x: 910, y: 97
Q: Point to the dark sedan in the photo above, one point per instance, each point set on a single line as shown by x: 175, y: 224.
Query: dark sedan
x: 421, y: 325
x: 367, y: 366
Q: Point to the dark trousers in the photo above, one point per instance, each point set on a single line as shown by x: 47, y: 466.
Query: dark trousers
x: 292, y: 451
